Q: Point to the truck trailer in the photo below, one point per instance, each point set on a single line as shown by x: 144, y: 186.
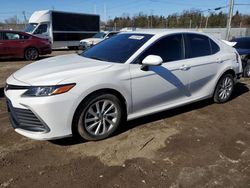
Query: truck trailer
x: 63, y: 29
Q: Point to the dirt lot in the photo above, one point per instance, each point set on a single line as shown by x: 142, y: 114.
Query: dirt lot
x: 199, y: 145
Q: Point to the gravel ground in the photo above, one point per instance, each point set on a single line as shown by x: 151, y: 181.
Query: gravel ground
x: 198, y: 145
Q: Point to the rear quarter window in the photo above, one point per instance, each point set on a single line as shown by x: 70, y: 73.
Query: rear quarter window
x: 214, y: 47
x: 197, y: 45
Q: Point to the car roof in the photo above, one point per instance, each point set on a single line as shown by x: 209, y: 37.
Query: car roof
x: 162, y: 32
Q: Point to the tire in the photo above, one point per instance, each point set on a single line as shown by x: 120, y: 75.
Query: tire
x: 73, y: 47
x: 31, y: 54
x: 246, y: 71
x: 94, y: 124
x: 224, y: 89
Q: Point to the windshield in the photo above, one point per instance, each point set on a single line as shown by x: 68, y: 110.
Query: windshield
x: 30, y: 27
x: 99, y: 35
x: 117, y: 49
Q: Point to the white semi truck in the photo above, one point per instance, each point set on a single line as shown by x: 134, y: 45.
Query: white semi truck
x: 63, y: 29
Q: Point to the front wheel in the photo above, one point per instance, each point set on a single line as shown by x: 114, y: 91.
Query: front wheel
x: 99, y: 117
x: 224, y: 89
x: 31, y: 54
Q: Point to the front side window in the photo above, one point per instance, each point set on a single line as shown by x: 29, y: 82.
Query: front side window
x: 198, y: 45
x: 169, y: 49
x: 41, y: 29
x: 11, y: 36
x: 117, y: 49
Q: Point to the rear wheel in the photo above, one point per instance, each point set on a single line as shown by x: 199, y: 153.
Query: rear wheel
x: 246, y: 71
x: 99, y: 116
x: 224, y: 89
x: 31, y: 54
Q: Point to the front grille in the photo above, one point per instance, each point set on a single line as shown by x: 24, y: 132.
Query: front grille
x: 25, y: 119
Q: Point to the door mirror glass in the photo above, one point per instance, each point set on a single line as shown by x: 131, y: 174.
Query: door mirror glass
x: 153, y: 60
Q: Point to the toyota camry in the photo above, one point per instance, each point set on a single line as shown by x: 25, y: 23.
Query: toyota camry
x: 122, y: 78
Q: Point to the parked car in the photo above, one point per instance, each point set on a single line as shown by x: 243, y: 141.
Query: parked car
x: 86, y: 43
x: 243, y: 47
x: 22, y: 45
x: 125, y: 77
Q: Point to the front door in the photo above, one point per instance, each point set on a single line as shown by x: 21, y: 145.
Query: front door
x: 165, y: 85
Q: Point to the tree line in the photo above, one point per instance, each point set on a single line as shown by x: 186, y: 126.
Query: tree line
x: 186, y: 19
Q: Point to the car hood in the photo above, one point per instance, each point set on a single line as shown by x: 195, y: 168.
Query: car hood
x: 53, y: 70
x: 92, y: 40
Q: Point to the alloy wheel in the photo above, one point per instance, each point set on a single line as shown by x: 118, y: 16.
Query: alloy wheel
x: 225, y: 88
x: 31, y: 54
x: 101, y: 117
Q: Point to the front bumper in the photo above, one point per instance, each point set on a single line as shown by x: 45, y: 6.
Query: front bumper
x: 41, y: 118
x: 45, y: 50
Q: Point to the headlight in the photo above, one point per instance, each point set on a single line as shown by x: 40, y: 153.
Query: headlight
x: 40, y: 91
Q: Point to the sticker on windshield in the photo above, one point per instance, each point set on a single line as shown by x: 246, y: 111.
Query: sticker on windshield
x: 136, y: 37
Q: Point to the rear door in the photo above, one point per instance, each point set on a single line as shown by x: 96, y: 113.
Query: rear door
x: 202, y: 56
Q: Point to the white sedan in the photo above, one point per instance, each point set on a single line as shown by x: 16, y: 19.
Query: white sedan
x: 98, y: 37
x: 127, y: 76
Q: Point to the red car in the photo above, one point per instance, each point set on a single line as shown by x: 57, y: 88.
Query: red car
x: 22, y: 45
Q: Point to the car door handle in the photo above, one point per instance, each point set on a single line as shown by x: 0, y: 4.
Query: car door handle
x: 219, y: 60
x: 185, y: 67
x: 1, y: 43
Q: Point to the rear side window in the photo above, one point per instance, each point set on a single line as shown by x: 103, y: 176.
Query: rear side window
x: 214, y: 47
x: 197, y: 45
x: 1, y: 38
x: 169, y: 48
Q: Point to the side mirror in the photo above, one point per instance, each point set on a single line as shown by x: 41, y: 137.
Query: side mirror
x: 151, y: 60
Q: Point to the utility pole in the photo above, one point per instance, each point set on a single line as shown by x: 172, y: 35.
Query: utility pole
x: 229, y: 19
x: 25, y: 18
x: 207, y: 20
x: 190, y: 23
x: 95, y: 9
x: 105, y: 13
x: 151, y: 20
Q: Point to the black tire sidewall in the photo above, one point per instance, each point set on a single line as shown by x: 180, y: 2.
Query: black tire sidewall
x: 85, y: 106
x: 217, y: 99
x: 245, y: 70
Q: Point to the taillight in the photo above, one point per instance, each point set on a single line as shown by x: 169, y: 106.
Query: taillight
x: 237, y: 57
